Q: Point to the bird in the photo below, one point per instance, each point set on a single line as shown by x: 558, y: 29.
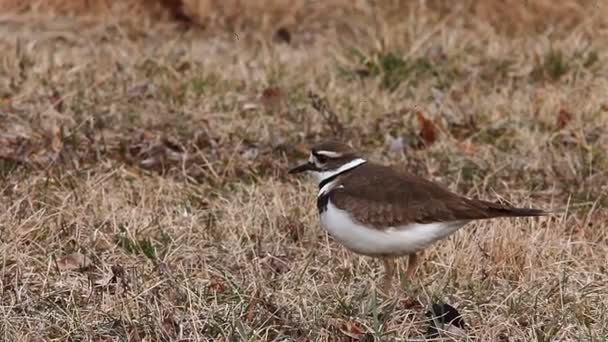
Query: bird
x: 382, y: 212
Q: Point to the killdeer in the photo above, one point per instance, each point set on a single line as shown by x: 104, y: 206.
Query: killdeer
x: 377, y: 211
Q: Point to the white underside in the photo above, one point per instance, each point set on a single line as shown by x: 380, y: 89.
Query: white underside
x: 391, y: 241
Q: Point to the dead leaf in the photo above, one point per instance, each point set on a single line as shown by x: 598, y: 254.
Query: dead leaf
x: 563, y: 118
x: 56, y: 143
x: 216, y: 284
x: 282, y: 35
x: 272, y: 96
x: 301, y: 149
x: 408, y: 303
x: 427, y: 135
x: 352, y: 329
x: 74, y: 261
x: 57, y: 101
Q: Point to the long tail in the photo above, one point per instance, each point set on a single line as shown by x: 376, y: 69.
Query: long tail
x: 502, y: 210
x: 519, y: 212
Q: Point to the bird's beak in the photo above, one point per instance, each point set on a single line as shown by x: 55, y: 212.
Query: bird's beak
x: 304, y: 167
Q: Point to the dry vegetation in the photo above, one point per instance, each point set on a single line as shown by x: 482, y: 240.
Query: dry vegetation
x: 143, y: 161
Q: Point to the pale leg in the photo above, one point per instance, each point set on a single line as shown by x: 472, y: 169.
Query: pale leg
x: 412, y: 265
x: 389, y: 271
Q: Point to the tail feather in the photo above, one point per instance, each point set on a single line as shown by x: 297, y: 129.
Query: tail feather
x: 522, y: 212
x: 503, y: 210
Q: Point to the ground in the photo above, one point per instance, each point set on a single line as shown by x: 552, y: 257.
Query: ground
x: 143, y: 169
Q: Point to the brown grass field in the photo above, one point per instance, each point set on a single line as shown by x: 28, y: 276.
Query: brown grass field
x: 144, y: 147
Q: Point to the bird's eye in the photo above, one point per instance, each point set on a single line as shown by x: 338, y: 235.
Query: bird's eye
x: 321, y: 158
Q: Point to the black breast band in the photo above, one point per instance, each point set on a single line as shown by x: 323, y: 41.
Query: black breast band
x: 323, y: 199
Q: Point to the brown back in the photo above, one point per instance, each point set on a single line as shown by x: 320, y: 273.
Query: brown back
x: 382, y: 197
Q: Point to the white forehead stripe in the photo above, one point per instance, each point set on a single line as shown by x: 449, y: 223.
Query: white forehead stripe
x: 330, y: 173
x: 330, y: 154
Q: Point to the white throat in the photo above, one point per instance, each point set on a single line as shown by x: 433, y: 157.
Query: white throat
x: 323, y: 175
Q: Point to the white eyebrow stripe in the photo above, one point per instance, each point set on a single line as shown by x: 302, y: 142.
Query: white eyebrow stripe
x: 330, y: 154
x: 329, y: 186
x: 323, y: 175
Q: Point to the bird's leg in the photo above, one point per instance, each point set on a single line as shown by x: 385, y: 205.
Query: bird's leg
x: 412, y: 264
x: 389, y: 270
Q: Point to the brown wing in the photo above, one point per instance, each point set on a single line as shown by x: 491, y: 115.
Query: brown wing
x: 389, y: 199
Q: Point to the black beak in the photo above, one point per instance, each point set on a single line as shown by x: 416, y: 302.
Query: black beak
x: 303, y: 167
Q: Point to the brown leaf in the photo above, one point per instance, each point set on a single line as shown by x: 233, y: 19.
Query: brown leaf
x: 352, y: 329
x: 56, y: 143
x: 57, y: 101
x: 74, y: 261
x: 427, y: 135
x: 563, y: 118
x: 282, y: 35
x: 216, y: 285
x: 301, y: 149
x: 272, y: 96
x: 408, y: 303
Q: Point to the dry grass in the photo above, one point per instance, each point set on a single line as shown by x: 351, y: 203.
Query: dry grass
x: 143, y: 185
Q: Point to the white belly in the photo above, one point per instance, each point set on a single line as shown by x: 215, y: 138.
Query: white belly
x: 391, y: 241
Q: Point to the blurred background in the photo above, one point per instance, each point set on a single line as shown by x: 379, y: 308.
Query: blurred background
x: 144, y: 147
x: 509, y: 16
